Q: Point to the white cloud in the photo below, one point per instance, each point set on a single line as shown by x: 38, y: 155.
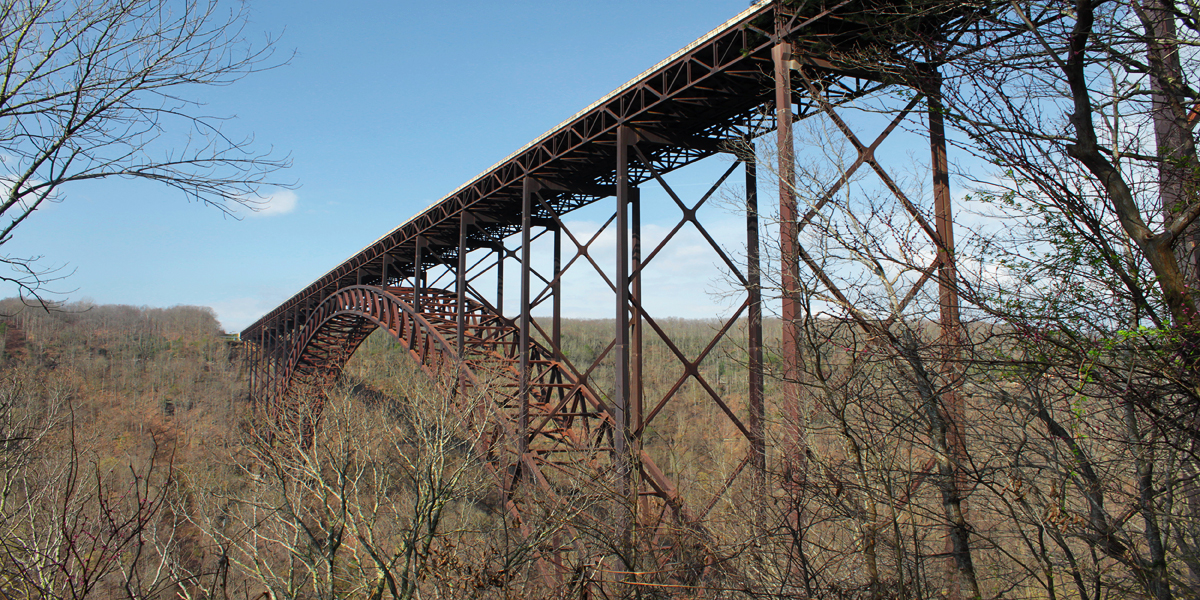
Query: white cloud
x: 277, y: 203
x: 236, y: 314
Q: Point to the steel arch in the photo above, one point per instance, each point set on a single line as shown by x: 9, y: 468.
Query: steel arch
x: 569, y: 423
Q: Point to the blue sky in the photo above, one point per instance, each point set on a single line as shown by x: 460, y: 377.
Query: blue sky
x: 385, y: 108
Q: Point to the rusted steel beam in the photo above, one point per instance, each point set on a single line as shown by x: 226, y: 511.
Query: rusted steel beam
x: 501, y: 254
x: 621, y: 347
x: 754, y: 345
x: 637, y: 388
x: 528, y: 189
x: 621, y: 392
x: 944, y: 218
x: 789, y: 267
x: 418, y: 275
x: 556, y: 284
x: 958, y: 553
x: 465, y: 220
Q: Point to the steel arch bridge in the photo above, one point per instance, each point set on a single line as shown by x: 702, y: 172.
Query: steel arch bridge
x: 766, y: 68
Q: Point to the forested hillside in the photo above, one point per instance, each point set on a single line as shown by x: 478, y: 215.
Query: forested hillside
x: 103, y: 410
x: 134, y: 465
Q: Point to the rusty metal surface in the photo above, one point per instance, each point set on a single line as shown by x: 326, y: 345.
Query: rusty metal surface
x: 551, y: 419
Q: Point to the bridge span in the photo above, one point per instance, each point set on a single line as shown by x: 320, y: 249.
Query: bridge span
x: 771, y: 65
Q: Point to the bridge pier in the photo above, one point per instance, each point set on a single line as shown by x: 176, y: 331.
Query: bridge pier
x: 624, y: 446
x: 465, y: 220
x: 418, y: 271
x: 556, y: 316
x: 754, y: 336
x: 529, y: 187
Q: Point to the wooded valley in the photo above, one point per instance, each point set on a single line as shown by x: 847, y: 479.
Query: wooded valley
x: 134, y: 466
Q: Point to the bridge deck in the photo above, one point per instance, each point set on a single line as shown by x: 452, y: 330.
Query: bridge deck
x: 684, y: 109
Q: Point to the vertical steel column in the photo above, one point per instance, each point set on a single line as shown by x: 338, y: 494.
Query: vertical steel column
x: 280, y: 356
x: 280, y: 360
x: 264, y: 365
x: 947, y: 272
x: 556, y: 324
x: 621, y: 450
x: 465, y: 220
x: 273, y: 383
x: 292, y: 332
x: 299, y: 323
x: 274, y: 393
x: 788, y: 254
x: 957, y: 540
x: 621, y: 345
x: 418, y: 272
x: 529, y: 187
x: 795, y: 464
x: 264, y: 376
x: 754, y: 330
x: 264, y: 357
x: 252, y: 358
x: 789, y: 267
x: 500, y: 280
x: 636, y: 358
x: 383, y: 270
x: 260, y: 374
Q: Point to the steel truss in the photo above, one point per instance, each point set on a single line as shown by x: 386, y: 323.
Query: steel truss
x: 554, y: 424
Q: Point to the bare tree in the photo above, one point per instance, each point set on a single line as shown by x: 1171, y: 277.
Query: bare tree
x: 71, y: 527
x: 1083, y: 299
x: 389, y: 500
x: 1088, y: 109
x: 92, y: 89
x: 1090, y: 106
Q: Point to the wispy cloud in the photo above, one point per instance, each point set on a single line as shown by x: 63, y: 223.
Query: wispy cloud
x: 280, y: 202
x: 238, y: 313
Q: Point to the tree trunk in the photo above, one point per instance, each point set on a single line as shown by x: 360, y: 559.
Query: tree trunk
x: 1157, y: 248
x: 1179, y: 167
